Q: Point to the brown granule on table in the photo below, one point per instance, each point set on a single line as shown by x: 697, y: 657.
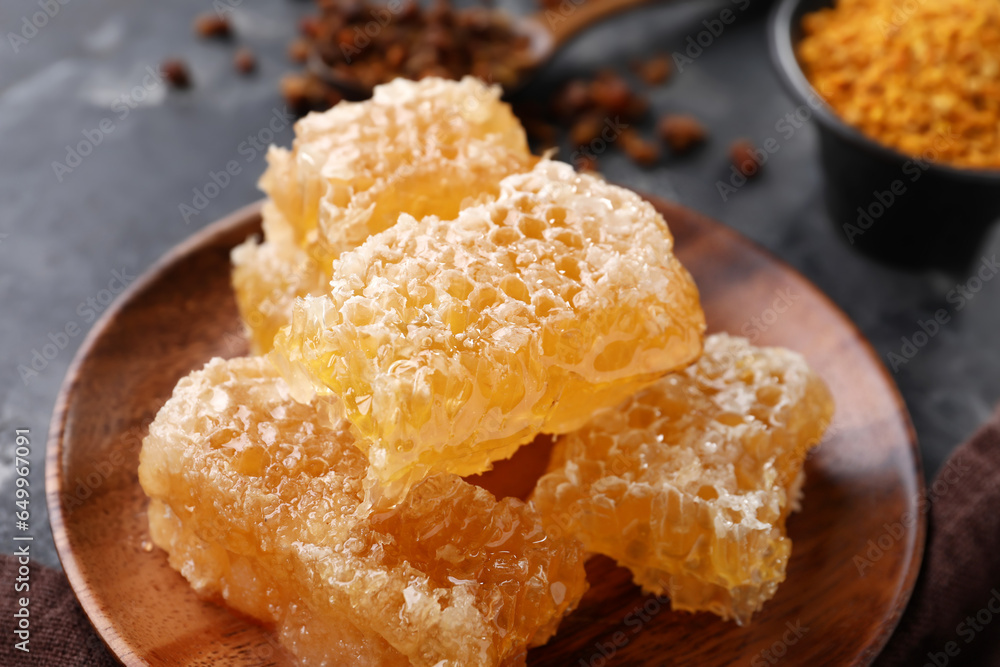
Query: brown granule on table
x: 586, y: 129
x: 653, y: 71
x: 212, y: 25
x: 244, y: 61
x: 742, y: 155
x: 610, y: 92
x: 681, y: 132
x: 176, y: 73
x: 641, y: 151
x: 922, y: 77
x: 298, y: 51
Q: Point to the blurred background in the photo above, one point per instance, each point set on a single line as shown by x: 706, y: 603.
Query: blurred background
x: 126, y: 127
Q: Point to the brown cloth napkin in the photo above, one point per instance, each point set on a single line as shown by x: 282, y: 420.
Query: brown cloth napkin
x: 954, y: 614
x: 953, y: 618
x: 59, y: 632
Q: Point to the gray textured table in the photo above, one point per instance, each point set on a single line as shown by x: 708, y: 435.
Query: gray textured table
x: 69, y: 240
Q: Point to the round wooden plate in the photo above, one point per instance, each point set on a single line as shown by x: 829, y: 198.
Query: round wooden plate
x: 857, y: 541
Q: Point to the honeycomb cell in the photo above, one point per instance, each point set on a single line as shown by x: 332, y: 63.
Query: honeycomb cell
x: 420, y: 148
x: 450, y: 343
x: 689, y: 482
x: 257, y: 501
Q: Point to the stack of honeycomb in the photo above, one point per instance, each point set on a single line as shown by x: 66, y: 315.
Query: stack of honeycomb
x: 431, y: 297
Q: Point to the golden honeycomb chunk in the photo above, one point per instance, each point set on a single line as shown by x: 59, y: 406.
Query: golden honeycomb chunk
x: 689, y: 482
x: 268, y: 276
x: 256, y: 499
x: 420, y: 148
x: 450, y: 343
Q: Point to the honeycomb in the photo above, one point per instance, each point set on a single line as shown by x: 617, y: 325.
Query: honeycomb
x: 450, y: 343
x: 689, y: 482
x: 421, y: 148
x: 257, y: 501
x: 269, y: 275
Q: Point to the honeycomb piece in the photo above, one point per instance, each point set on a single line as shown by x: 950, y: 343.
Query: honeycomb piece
x: 416, y: 147
x: 256, y: 499
x: 452, y: 343
x: 268, y: 276
x: 689, y: 482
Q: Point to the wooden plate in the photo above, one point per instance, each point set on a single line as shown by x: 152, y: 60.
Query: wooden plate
x: 857, y: 542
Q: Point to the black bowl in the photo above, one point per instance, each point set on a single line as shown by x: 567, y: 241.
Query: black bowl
x: 904, y: 209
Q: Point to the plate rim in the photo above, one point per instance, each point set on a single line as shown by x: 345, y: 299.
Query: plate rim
x: 118, y: 645
x: 100, y: 621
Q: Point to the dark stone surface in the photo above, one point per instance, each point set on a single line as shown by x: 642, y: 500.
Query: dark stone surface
x: 118, y: 210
